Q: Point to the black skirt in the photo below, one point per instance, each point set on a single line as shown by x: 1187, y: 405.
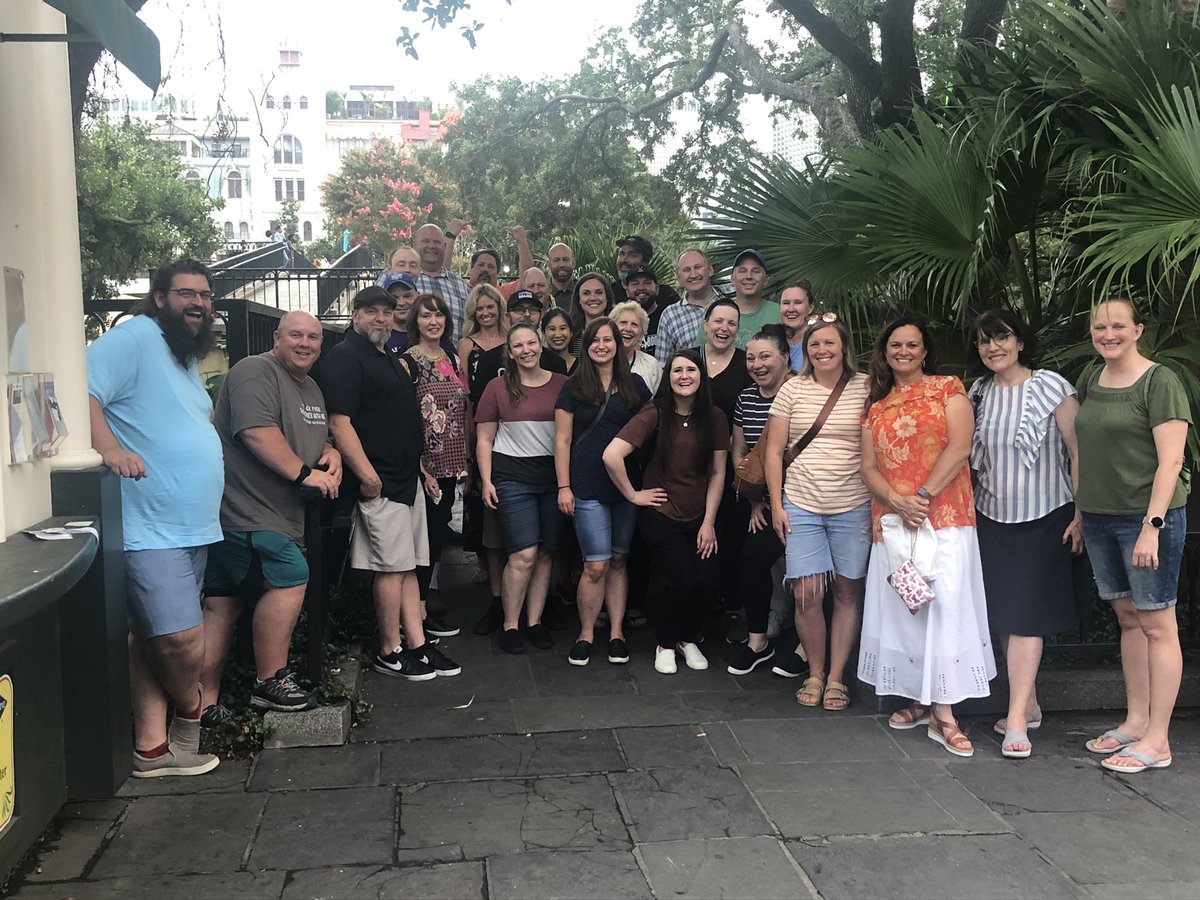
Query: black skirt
x: 1033, y: 581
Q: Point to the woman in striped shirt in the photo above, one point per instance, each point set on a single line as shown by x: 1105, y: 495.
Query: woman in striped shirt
x: 1024, y: 438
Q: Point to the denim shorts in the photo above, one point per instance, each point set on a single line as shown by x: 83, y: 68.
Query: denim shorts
x: 244, y: 557
x: 840, y: 543
x: 1109, y: 541
x: 604, y: 528
x: 162, y: 589
x: 528, y: 515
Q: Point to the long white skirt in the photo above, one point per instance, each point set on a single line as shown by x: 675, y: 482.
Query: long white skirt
x: 943, y: 654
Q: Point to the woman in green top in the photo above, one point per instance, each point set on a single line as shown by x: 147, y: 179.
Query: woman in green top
x: 1132, y: 427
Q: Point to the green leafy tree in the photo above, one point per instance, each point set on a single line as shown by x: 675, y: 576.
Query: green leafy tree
x: 135, y: 208
x: 289, y: 216
x: 382, y: 193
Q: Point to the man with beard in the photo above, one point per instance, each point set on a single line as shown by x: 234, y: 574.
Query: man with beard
x: 643, y: 288
x: 376, y: 425
x: 634, y: 251
x: 485, y: 268
x: 435, y: 278
x: 151, y: 424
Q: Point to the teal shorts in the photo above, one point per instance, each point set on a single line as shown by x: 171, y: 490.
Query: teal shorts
x: 245, y: 558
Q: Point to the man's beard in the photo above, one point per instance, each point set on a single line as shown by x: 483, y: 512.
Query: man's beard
x: 483, y: 276
x: 378, y: 336
x: 562, y: 275
x: 186, y: 345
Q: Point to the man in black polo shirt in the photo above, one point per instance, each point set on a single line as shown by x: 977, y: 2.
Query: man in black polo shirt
x: 376, y: 425
x: 634, y: 251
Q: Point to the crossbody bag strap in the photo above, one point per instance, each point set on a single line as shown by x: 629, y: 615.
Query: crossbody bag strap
x: 807, y: 438
x: 595, y: 421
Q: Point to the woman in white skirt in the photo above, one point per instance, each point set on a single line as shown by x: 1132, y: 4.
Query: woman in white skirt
x: 916, y: 443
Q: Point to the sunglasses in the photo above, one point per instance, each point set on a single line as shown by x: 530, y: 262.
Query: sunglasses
x: 824, y: 318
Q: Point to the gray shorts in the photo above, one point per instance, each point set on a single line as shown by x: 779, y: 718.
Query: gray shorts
x: 162, y: 589
x: 387, y: 536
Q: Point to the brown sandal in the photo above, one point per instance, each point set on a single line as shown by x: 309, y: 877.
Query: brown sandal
x: 909, y: 717
x: 812, y: 689
x: 836, y: 698
x: 950, y: 736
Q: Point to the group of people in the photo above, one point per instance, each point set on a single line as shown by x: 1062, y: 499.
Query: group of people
x: 617, y: 413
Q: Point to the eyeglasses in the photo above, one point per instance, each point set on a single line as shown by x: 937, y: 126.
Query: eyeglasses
x: 825, y: 318
x: 189, y: 294
x: 997, y: 339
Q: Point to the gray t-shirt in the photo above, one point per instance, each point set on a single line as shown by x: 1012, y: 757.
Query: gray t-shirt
x: 258, y: 391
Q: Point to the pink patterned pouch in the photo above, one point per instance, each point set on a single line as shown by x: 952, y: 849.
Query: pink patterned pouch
x: 912, y: 588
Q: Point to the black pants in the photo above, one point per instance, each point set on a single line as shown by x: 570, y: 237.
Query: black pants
x: 437, y: 526
x: 682, y: 585
x: 760, y: 551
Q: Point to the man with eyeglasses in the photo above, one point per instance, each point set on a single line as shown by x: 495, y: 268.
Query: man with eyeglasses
x: 151, y: 422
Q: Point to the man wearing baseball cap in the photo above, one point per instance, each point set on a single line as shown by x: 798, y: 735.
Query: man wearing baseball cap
x: 642, y: 287
x: 750, y: 280
x: 524, y: 308
x: 635, y: 251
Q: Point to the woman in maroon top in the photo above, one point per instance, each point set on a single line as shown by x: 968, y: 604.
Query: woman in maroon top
x: 685, y: 442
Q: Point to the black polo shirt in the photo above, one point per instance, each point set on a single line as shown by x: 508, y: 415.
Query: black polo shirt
x: 373, y: 389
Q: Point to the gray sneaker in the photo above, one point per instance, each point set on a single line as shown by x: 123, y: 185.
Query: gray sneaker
x: 176, y: 761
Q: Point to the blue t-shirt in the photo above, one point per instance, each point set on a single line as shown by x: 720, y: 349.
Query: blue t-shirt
x: 159, y: 410
x: 796, y: 356
x: 589, y: 478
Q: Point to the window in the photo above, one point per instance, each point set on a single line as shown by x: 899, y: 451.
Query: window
x: 299, y: 188
x: 244, y: 231
x: 278, y: 190
x: 289, y: 57
x: 307, y: 232
x: 229, y: 231
x: 287, y: 101
x: 303, y: 102
x: 288, y: 151
x: 270, y: 102
x: 234, y: 183
x: 192, y: 176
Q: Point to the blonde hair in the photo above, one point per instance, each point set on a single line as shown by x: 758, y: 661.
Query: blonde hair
x: 470, y: 326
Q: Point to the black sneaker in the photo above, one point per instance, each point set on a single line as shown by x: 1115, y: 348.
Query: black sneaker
x: 790, y: 666
x: 279, y: 693
x: 404, y: 664
x: 214, y: 714
x: 581, y: 653
x: 618, y: 653
x: 442, y: 664
x: 491, y: 620
x: 437, y: 626
x: 539, y: 635
x: 746, y: 660
x: 510, y: 641
x: 735, y: 628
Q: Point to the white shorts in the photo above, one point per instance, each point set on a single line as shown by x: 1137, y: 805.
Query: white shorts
x: 387, y: 536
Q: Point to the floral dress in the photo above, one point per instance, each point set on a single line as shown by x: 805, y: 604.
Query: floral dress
x: 442, y: 400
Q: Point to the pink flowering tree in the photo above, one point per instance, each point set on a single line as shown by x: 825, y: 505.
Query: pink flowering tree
x: 383, y: 193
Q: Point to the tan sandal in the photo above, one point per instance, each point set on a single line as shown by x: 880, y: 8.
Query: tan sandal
x: 950, y: 736
x: 836, y: 698
x: 811, y: 691
x: 909, y: 717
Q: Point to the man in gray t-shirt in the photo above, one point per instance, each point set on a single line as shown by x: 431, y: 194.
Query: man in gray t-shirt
x: 275, y: 436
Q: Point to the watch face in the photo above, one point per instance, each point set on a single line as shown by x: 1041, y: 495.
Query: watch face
x: 1155, y: 521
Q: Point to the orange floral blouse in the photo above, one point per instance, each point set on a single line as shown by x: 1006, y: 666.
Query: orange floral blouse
x: 908, y: 427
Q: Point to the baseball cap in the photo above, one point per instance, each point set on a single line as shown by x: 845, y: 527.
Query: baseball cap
x: 753, y: 254
x: 639, y: 244
x: 369, y: 296
x: 642, y: 272
x: 523, y: 298
x: 402, y: 278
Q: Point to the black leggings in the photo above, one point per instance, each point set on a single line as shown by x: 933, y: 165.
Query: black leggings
x: 760, y: 552
x: 437, y: 526
x: 733, y: 518
x: 682, y: 585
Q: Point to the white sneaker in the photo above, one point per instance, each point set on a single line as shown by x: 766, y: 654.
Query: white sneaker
x: 664, y: 661
x: 692, y: 656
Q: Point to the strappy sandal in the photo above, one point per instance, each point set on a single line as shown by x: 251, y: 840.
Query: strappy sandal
x: 811, y: 691
x: 835, y: 698
x: 950, y: 736
x: 910, y: 717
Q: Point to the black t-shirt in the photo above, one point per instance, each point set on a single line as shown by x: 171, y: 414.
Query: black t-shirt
x: 589, y: 478
x: 372, y: 388
x: 731, y: 382
x: 552, y: 362
x: 666, y: 294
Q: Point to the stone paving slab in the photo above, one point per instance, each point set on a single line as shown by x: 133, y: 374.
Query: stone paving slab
x: 506, y: 678
x: 501, y: 756
x: 1150, y: 890
x: 404, y: 722
x: 576, y: 713
x: 196, y: 833
x: 668, y: 745
x: 588, y: 875
x: 757, y: 867
x: 68, y: 854
x: 683, y: 803
x: 353, y: 825
x: 1046, y: 784
x: 727, y: 707
x: 459, y: 880
x: 229, y: 776
x: 969, y: 867
x: 854, y: 739
x: 353, y: 765
x: 553, y: 677
x: 242, y: 885
x: 714, y: 679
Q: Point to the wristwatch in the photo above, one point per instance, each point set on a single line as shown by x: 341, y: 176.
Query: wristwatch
x: 923, y: 493
x: 450, y: 234
x: 1153, y: 521
x: 305, y: 471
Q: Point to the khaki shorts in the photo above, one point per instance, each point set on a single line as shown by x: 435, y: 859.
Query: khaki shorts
x: 389, y: 537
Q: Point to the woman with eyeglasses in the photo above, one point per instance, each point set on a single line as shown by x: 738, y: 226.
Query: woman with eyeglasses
x: 820, y: 507
x: 916, y: 442
x: 1025, y: 457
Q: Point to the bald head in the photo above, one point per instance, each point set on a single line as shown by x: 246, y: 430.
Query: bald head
x: 431, y: 246
x: 535, y: 280
x: 298, y: 342
x: 561, y: 263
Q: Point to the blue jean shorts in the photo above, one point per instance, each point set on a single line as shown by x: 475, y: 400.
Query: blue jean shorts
x: 162, y: 589
x: 254, y: 560
x: 1109, y: 541
x: 604, y: 528
x: 840, y: 543
x: 528, y: 515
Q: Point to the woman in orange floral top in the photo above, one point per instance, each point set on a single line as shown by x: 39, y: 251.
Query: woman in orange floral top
x: 916, y: 443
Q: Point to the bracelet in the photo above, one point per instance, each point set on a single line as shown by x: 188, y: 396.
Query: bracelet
x: 564, y: 487
x: 305, y: 471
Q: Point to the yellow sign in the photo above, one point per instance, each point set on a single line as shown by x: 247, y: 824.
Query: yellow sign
x: 8, y: 778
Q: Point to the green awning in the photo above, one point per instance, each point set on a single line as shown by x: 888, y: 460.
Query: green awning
x: 122, y: 33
